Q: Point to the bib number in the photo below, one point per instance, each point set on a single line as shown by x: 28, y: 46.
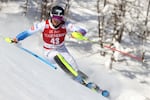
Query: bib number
x: 55, y: 41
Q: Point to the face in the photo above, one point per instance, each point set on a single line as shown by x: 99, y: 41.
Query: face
x: 56, y: 20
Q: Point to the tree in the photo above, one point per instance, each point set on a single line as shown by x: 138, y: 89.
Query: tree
x: 45, y: 7
x: 25, y: 7
x: 119, y: 15
x: 4, y: 0
x: 100, y: 25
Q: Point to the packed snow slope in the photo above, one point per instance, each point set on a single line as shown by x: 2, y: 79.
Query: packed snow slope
x: 23, y: 77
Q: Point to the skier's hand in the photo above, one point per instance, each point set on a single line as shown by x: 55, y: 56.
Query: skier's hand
x: 14, y: 40
x: 78, y: 36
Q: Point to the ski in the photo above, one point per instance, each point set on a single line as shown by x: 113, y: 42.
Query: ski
x: 79, y: 76
x: 94, y: 87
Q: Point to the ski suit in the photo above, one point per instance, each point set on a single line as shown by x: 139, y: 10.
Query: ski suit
x: 53, y: 39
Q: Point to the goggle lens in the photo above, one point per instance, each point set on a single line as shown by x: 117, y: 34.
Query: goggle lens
x: 56, y: 17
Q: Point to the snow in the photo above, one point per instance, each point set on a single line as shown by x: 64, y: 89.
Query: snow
x: 11, y: 8
x: 23, y: 77
x: 30, y: 79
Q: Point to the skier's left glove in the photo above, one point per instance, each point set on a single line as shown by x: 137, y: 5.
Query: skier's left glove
x: 78, y: 36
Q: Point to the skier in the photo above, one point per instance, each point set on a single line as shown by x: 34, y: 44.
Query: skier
x: 54, y: 31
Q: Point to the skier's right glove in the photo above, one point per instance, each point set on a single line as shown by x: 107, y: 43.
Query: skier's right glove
x: 10, y: 40
x: 14, y: 40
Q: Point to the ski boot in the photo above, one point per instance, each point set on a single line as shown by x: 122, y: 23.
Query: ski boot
x: 80, y: 79
x: 96, y: 88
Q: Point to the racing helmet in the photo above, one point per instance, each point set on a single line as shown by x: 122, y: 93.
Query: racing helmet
x: 57, y: 10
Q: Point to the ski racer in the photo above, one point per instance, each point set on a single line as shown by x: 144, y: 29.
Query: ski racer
x: 54, y: 31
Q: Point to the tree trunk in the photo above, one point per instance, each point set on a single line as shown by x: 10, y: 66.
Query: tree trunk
x: 100, y: 27
x: 26, y: 7
x: 45, y: 8
x: 145, y: 33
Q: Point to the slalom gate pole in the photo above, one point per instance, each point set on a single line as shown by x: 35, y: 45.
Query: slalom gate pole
x: 114, y: 49
x: 124, y: 53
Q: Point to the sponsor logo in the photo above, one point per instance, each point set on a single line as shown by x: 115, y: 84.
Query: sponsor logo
x: 32, y: 28
x: 54, y: 35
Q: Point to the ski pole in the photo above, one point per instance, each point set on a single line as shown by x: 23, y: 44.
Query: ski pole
x: 8, y: 40
x: 38, y: 57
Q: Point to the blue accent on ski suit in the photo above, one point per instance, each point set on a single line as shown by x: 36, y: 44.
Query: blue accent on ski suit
x: 41, y: 26
x: 23, y: 35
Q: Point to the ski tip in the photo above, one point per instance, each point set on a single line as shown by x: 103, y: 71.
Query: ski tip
x: 105, y: 93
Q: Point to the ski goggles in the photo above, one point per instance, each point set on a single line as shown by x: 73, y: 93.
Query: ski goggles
x: 56, y: 17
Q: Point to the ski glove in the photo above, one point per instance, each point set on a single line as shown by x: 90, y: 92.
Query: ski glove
x: 14, y: 40
x: 78, y: 36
